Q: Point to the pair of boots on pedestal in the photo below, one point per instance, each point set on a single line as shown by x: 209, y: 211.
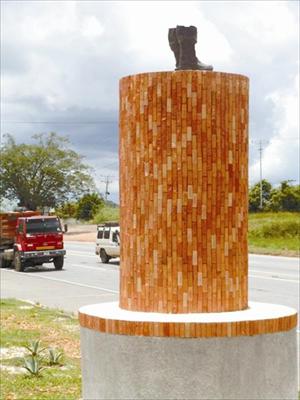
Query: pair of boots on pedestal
x: 182, y: 41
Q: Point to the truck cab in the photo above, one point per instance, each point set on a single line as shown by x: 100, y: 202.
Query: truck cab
x: 34, y: 240
x: 108, y: 241
x: 39, y: 240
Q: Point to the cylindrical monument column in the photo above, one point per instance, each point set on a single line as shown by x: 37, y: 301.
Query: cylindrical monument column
x: 183, y: 188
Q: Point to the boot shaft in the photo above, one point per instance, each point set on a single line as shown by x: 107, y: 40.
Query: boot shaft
x: 187, y: 38
x: 174, y: 45
x: 182, y: 40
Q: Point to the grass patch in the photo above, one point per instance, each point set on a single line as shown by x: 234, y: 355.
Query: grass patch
x: 21, y: 323
x: 274, y: 233
x: 106, y: 214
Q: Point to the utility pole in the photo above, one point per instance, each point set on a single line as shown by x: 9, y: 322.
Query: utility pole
x: 260, y: 149
x: 107, y: 182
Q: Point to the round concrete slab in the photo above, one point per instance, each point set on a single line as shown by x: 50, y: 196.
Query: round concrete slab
x: 259, y: 318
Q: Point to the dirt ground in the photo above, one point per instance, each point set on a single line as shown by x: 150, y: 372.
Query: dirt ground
x: 81, y: 233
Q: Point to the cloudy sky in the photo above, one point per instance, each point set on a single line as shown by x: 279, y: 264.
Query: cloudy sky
x: 61, y: 62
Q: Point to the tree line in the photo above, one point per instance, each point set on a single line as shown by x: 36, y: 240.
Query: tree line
x: 48, y: 173
x: 285, y: 197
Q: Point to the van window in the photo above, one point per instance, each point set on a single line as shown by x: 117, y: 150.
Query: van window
x: 106, y: 234
x: 100, y: 234
x: 115, y: 237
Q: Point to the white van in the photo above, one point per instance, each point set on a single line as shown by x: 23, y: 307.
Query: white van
x: 108, y: 241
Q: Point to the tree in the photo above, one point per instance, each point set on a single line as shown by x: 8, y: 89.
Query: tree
x: 290, y: 196
x: 67, y: 210
x: 254, y: 195
x: 46, y: 173
x: 88, y: 205
x: 285, y: 198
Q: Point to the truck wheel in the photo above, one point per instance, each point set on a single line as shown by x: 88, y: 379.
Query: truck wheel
x: 104, y: 257
x: 2, y: 262
x: 58, y: 262
x: 5, y: 263
x: 18, y: 263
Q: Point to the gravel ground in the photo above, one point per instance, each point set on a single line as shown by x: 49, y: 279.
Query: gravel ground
x: 81, y: 233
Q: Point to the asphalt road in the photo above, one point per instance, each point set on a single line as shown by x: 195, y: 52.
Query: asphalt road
x: 85, y: 280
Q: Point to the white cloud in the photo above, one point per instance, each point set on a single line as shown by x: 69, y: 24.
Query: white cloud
x: 147, y: 26
x: 269, y: 22
x: 37, y: 22
x: 92, y: 28
x: 280, y: 159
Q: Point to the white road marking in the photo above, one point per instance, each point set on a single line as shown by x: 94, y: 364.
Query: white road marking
x: 77, y: 242
x: 65, y: 281
x: 274, y: 273
x: 90, y: 267
x: 276, y: 279
x: 109, y: 268
x: 264, y: 256
x: 81, y: 254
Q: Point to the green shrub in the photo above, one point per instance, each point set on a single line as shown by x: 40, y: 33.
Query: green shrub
x: 106, y: 214
x: 67, y: 210
x: 254, y: 195
x: 286, y: 197
x: 284, y: 229
x: 274, y: 233
x: 88, y: 206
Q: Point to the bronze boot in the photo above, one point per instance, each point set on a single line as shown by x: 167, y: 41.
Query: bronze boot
x: 187, y: 38
x: 174, y: 45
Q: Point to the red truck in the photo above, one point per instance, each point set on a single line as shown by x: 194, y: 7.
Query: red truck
x: 28, y: 238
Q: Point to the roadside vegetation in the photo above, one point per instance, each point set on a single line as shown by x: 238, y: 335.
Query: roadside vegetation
x: 90, y: 208
x: 264, y: 197
x: 274, y: 219
x: 106, y: 213
x: 274, y: 233
x: 47, y: 343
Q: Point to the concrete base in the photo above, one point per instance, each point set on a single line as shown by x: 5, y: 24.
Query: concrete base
x: 127, y: 367
x: 246, y: 367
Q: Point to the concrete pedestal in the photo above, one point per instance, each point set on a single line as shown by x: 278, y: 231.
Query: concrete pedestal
x: 212, y: 363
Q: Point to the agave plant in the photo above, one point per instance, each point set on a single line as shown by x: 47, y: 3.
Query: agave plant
x: 34, y: 348
x: 55, y: 356
x: 33, y: 365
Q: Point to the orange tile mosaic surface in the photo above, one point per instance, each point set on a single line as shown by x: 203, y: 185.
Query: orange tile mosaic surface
x: 188, y: 330
x: 183, y: 192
